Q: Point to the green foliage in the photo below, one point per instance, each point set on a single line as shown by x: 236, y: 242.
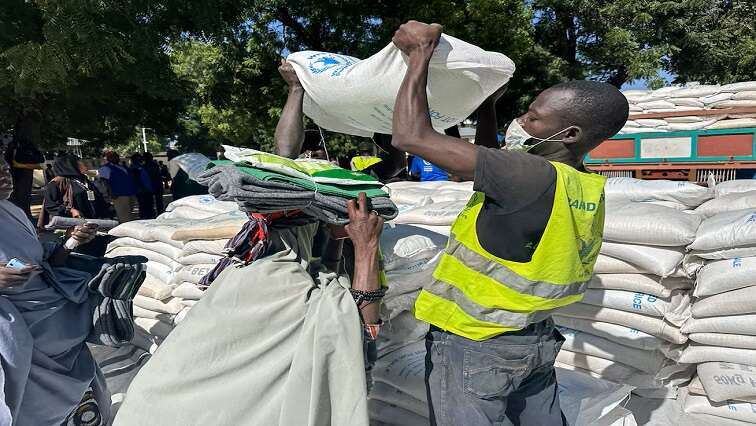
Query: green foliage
x: 205, y: 70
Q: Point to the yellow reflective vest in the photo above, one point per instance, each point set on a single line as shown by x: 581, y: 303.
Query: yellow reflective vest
x: 361, y: 163
x: 477, y: 295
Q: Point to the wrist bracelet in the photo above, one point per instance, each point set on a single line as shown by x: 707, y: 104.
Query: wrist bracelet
x: 367, y: 297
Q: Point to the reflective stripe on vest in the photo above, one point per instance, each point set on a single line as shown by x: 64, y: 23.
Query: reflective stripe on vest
x: 477, y: 295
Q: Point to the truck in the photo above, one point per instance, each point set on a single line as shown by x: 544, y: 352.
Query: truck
x: 686, y: 155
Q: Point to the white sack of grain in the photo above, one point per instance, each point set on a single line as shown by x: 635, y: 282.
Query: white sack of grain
x: 697, y: 354
x: 691, y: 102
x: 168, y: 306
x: 695, y: 118
x: 404, y: 369
x: 719, y: 97
x: 387, y: 414
x: 725, y: 275
x: 735, y: 302
x: 655, y: 105
x: 628, y: 222
x: 743, y: 103
x: 650, y: 325
x: 140, y: 312
x: 743, y: 86
x: 727, y: 203
x: 406, y: 248
x: 220, y: 226
x: 412, y: 196
x: 611, y: 265
x: 189, y: 291
x: 200, y: 258
x: 735, y: 123
x: 204, y: 246
x: 390, y: 395
x: 736, y: 324
x: 726, y: 231
x: 606, y: 369
x: 206, y: 203
x: 723, y: 381
x: 741, y: 341
x: 192, y: 273
x: 748, y: 95
x: 741, y: 411
x: 675, y: 308
x: 661, y: 261
x: 353, y: 96
x: 433, y: 214
x: 631, y: 189
x: 735, y: 186
x: 650, y: 122
x: 167, y: 250
x: 160, y: 272
x: 154, y: 327
x: 155, y: 288
x: 647, y: 284
x: 616, y: 333
x: 686, y: 127
x: 650, y: 362
x: 149, y: 254
x: 694, y: 92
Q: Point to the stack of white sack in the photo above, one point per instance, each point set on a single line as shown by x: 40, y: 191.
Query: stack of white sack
x: 627, y: 328
x: 410, y: 254
x: 692, y: 98
x: 181, y: 246
x: 722, y: 329
x: 430, y: 205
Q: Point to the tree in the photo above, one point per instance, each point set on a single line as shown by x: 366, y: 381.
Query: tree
x: 94, y: 69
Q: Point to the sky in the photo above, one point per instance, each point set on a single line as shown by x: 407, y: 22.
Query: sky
x: 641, y: 84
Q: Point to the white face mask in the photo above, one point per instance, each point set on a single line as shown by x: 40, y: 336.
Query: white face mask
x: 516, y: 138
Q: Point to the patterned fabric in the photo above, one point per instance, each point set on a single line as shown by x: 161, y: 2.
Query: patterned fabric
x: 87, y: 413
x: 250, y: 244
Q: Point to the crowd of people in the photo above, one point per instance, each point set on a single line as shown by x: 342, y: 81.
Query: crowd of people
x: 492, y: 343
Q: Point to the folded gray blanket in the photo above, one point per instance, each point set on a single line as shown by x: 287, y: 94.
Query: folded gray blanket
x: 256, y: 195
x: 115, y: 282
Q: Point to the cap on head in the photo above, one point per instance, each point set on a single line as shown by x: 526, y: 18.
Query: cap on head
x: 365, y: 148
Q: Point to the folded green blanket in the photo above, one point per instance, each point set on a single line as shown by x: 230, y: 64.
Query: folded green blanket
x: 320, y: 171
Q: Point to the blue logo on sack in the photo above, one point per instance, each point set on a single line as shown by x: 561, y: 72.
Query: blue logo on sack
x: 322, y: 62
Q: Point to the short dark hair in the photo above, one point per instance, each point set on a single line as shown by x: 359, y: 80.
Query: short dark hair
x: 600, y: 109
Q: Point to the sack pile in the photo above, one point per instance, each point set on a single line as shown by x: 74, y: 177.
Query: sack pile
x: 722, y: 329
x: 430, y: 205
x: 182, y: 245
x: 691, y: 98
x: 627, y: 328
x: 410, y: 254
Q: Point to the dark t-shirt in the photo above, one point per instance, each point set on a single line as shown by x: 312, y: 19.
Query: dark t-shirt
x: 519, y: 192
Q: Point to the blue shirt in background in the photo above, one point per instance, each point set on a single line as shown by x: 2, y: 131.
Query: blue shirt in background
x: 428, y: 172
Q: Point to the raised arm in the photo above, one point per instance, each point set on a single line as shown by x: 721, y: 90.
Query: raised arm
x: 289, y: 135
x: 486, y: 131
x: 412, y: 129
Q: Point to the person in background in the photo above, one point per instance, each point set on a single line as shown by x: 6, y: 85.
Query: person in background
x: 426, y: 171
x: 119, y: 186
x: 156, y: 179
x: 49, y: 174
x: 365, y: 159
x: 71, y: 194
x: 23, y: 158
x: 181, y: 185
x: 165, y: 175
x: 143, y: 184
x: 49, y: 374
x: 492, y: 344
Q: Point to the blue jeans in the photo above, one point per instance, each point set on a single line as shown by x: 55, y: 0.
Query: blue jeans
x: 506, y: 380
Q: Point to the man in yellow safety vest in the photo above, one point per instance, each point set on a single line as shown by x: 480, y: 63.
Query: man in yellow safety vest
x: 525, y: 244
x: 366, y: 159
